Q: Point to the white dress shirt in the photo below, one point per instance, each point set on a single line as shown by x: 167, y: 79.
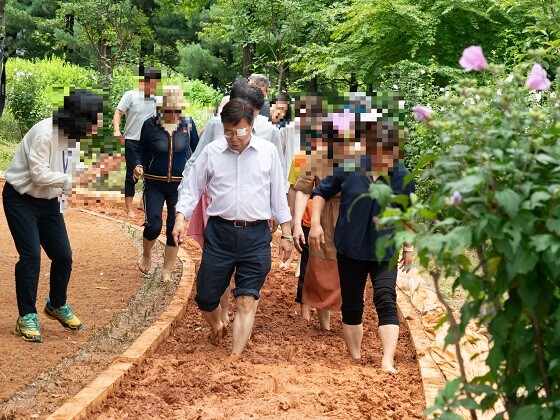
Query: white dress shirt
x: 242, y: 186
x: 215, y: 130
x: 289, y: 138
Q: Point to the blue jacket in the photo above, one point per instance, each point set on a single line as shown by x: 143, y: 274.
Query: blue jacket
x: 164, y: 155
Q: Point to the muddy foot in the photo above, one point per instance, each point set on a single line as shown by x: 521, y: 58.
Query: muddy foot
x: 389, y: 369
x: 225, y: 319
x: 221, y: 333
x: 144, y: 264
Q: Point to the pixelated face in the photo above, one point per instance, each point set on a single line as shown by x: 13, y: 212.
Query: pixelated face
x: 170, y: 116
x: 278, y: 111
x: 384, y: 158
x: 150, y: 86
x: 238, y: 135
x: 362, y: 134
x: 95, y: 128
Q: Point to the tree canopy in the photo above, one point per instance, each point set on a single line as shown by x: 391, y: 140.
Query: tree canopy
x: 299, y: 44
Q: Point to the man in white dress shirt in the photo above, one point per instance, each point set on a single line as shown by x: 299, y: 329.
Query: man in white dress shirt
x: 244, y: 177
x: 262, y: 127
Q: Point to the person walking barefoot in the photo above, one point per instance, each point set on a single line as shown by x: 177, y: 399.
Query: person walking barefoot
x: 237, y: 238
x: 136, y: 106
x: 164, y: 147
x: 355, y: 240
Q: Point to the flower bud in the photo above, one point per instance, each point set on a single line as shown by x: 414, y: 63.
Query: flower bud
x: 456, y: 198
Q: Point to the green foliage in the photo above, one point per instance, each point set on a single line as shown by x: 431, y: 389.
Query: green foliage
x: 26, y: 28
x: 107, y: 32
x: 10, y: 136
x: 538, y: 27
x: 496, y: 194
x: 275, y: 29
x: 196, y: 62
x: 368, y: 38
x: 36, y: 87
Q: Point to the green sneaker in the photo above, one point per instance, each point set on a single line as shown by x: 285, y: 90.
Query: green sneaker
x: 64, y: 315
x: 27, y: 327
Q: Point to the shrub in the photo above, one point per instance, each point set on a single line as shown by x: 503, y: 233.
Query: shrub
x: 10, y: 136
x: 416, y: 84
x: 35, y: 88
x: 496, y: 195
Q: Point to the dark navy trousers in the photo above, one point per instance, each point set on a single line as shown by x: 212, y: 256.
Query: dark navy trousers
x: 228, y: 249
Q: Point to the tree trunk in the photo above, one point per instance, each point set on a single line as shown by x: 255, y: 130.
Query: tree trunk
x: 280, y: 79
x: 2, y: 37
x: 248, y: 58
x: 283, y: 72
x: 353, y: 82
x: 314, y: 84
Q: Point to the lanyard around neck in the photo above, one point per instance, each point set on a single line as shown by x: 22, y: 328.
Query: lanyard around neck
x: 65, y: 160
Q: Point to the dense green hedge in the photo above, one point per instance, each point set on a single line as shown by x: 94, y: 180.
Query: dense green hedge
x: 35, y: 88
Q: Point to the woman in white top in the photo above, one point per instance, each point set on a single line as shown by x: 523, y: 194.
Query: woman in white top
x: 38, y: 182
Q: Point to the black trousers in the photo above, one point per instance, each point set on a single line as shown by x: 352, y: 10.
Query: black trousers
x: 155, y: 194
x: 303, y: 264
x: 353, y: 276
x: 35, y: 223
x: 130, y: 151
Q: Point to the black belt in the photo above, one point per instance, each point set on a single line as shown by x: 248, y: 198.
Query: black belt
x: 240, y: 223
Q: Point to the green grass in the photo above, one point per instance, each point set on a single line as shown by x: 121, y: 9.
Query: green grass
x: 10, y: 137
x: 7, y: 151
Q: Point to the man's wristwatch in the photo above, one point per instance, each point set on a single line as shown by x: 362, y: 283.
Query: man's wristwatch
x: 288, y: 238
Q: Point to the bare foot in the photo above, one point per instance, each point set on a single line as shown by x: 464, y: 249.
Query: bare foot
x: 305, y: 311
x: 288, y: 263
x: 225, y: 319
x: 324, y: 319
x: 356, y: 357
x: 389, y: 368
x: 165, y: 277
x: 216, y: 337
x: 131, y: 214
x: 144, y: 264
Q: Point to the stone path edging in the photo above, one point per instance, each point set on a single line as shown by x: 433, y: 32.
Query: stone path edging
x: 432, y: 377
x: 97, y: 391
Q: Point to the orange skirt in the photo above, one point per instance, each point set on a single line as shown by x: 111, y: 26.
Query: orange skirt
x: 321, y: 286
